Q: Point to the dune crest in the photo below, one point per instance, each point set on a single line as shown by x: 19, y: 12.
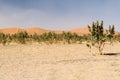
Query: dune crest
x: 39, y: 31
x: 11, y: 30
x: 80, y: 31
x: 35, y: 30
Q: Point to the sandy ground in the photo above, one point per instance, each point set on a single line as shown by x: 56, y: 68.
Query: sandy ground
x: 58, y: 62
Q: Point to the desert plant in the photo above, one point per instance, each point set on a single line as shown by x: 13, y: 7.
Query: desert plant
x: 8, y: 38
x: 111, y: 33
x: 99, y: 37
x: 3, y: 38
x: 35, y: 37
x: 21, y: 37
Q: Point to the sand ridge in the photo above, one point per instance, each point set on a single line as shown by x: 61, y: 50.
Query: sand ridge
x: 32, y: 30
x: 11, y: 30
x: 39, y: 31
x: 80, y: 31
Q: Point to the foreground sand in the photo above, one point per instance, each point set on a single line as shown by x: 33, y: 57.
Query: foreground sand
x: 58, y: 62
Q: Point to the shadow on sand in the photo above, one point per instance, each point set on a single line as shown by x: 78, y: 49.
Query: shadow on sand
x: 112, y: 54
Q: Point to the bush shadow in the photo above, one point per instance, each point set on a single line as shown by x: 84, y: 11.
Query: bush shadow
x: 112, y: 54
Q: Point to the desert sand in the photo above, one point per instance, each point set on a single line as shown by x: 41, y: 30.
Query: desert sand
x: 58, y: 62
x: 80, y: 31
x: 32, y: 30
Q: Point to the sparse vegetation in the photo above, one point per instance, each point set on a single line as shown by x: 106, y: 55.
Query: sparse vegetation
x: 97, y: 38
x: 49, y: 38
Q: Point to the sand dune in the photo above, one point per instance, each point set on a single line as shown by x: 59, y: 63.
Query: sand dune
x: 33, y: 30
x: 11, y: 30
x: 36, y: 30
x: 79, y: 31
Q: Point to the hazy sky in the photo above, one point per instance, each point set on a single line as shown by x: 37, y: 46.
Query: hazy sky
x: 58, y: 14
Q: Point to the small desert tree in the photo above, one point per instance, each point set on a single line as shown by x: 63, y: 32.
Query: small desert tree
x: 3, y: 39
x: 21, y: 37
x: 111, y: 33
x: 99, y: 37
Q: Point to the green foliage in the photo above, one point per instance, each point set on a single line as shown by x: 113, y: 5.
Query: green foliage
x: 111, y: 33
x: 99, y: 37
x: 20, y: 37
x: 3, y: 38
x: 50, y: 37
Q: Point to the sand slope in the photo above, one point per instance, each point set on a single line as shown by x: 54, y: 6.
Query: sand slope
x: 36, y: 30
x: 80, y: 31
x: 33, y: 30
x: 11, y: 30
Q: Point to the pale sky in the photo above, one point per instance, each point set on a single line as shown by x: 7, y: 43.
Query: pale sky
x: 58, y: 14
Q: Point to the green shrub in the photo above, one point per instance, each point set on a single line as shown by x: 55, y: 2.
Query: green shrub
x: 99, y: 37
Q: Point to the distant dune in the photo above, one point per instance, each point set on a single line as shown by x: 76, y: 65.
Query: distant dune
x: 79, y: 31
x: 36, y: 30
x: 11, y: 30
